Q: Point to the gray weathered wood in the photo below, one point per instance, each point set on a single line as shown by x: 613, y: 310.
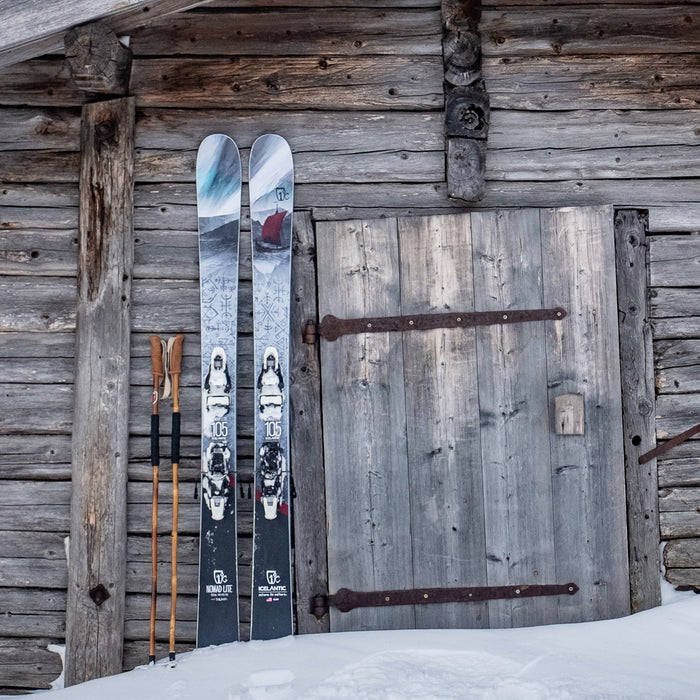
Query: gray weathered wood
x: 674, y: 261
x: 678, y: 524
x: 97, y: 60
x: 100, y: 428
x: 632, y: 81
x: 679, y: 472
x: 341, y: 30
x: 31, y: 31
x: 513, y: 406
x: 684, y: 577
x: 369, y: 546
x: 583, y: 357
x: 638, y: 408
x: 310, y: 554
x: 682, y: 553
x: 442, y: 421
x: 593, y: 30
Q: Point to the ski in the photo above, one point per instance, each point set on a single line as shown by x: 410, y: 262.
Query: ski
x: 271, y: 204
x: 219, y: 214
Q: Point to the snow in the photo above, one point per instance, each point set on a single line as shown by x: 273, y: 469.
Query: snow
x: 651, y: 655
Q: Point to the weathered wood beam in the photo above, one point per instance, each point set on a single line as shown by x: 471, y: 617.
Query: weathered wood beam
x: 98, y: 62
x: 32, y: 29
x: 311, y: 565
x: 97, y: 572
x: 638, y: 408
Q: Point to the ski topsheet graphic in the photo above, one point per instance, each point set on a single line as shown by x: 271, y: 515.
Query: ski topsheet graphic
x: 219, y: 213
x: 271, y: 204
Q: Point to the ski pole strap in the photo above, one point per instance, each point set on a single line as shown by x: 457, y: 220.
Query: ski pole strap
x: 332, y: 327
x: 346, y: 600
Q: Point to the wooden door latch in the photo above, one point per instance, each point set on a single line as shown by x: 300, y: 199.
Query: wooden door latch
x: 331, y: 327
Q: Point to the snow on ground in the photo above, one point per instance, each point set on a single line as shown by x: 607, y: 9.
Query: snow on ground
x: 651, y: 655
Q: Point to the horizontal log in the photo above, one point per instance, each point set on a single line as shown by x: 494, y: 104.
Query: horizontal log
x: 592, y: 30
x: 339, y: 31
x: 362, y: 82
x: 679, y: 524
x: 28, y: 664
x: 683, y: 217
x: 676, y: 413
x: 674, y: 301
x: 587, y: 129
x: 679, y: 472
x: 650, y: 81
x: 679, y: 499
x: 676, y: 353
x: 607, y: 163
x: 682, y: 554
x: 674, y: 261
x: 32, y: 129
x: 183, y: 129
x: 683, y: 577
x: 676, y: 328
x: 36, y: 409
x: 678, y: 379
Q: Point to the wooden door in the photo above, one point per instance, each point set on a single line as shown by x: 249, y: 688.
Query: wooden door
x: 443, y: 466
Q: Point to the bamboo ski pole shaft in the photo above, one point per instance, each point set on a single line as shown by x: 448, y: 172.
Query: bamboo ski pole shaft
x: 175, y: 363
x: 158, y: 374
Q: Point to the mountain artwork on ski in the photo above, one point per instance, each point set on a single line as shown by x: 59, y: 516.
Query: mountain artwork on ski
x: 219, y: 213
x: 271, y: 204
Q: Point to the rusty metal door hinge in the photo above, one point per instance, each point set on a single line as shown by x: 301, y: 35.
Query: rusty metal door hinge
x: 346, y: 600
x: 331, y: 327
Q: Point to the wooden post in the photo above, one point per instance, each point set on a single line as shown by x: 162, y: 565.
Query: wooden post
x: 97, y: 569
x: 638, y: 408
x: 311, y: 566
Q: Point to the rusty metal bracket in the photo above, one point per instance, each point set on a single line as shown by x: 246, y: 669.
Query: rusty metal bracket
x: 666, y: 446
x: 346, y: 600
x: 331, y: 327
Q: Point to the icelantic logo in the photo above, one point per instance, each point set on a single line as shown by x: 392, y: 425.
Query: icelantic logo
x: 282, y: 194
x: 219, y: 577
x: 275, y: 589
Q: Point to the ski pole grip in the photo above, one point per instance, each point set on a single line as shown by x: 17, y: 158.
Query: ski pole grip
x: 156, y: 357
x: 176, y: 354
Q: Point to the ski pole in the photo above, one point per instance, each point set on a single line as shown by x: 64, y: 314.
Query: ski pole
x: 158, y: 374
x: 175, y: 355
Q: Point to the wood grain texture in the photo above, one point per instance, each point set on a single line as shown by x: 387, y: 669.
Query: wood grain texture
x: 310, y: 541
x: 367, y: 483
x: 638, y: 407
x: 583, y: 357
x: 442, y: 419
x: 100, y: 427
x: 513, y: 403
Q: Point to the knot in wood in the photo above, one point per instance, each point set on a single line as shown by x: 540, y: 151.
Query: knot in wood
x: 105, y: 129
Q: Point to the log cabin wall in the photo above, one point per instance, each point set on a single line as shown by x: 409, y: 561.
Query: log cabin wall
x: 590, y: 104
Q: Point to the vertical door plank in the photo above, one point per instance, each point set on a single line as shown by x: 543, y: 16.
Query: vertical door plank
x: 369, y: 544
x: 514, y: 415
x: 94, y: 631
x: 311, y: 573
x: 444, y: 450
x: 583, y: 357
x: 638, y: 409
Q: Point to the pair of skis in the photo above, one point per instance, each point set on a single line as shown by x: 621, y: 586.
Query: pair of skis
x: 271, y: 186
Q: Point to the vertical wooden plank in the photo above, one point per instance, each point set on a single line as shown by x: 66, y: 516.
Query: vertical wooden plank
x: 94, y: 625
x: 514, y: 415
x: 310, y: 555
x: 583, y: 357
x: 638, y: 409
x: 444, y: 448
x: 367, y: 497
